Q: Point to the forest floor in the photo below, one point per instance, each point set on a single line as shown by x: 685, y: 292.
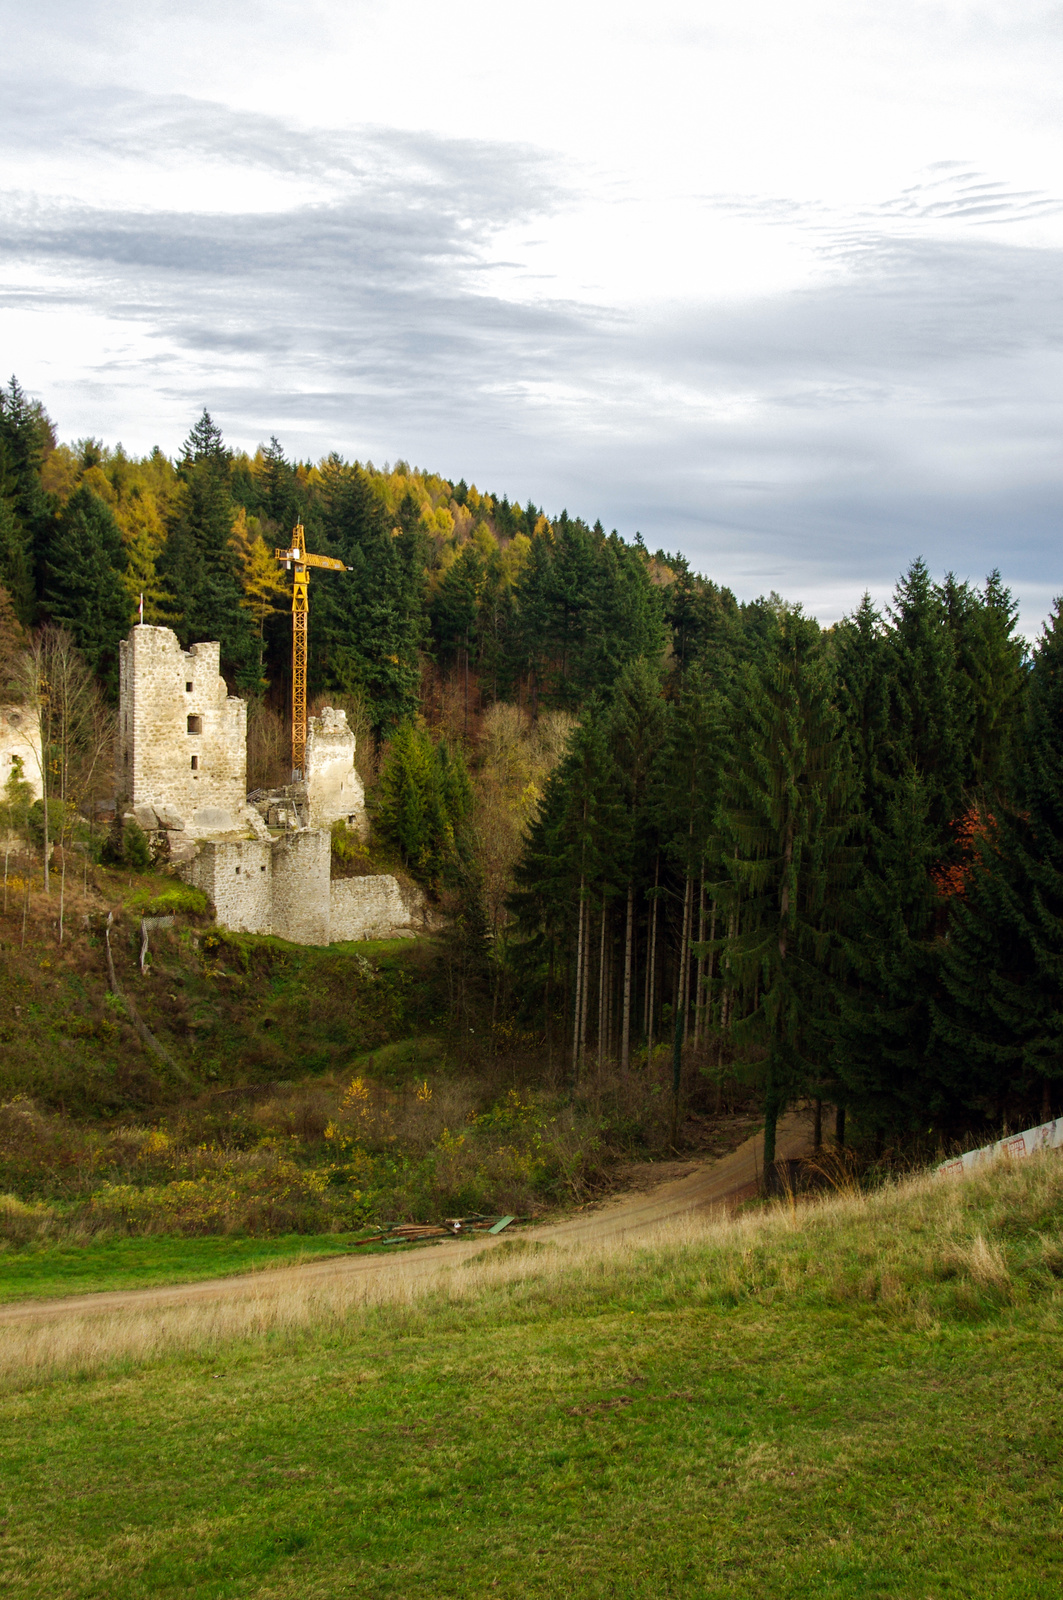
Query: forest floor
x: 852, y: 1397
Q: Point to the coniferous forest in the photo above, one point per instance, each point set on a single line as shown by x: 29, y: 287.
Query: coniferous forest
x: 826, y: 863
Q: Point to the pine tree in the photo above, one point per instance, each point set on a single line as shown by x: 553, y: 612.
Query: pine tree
x: 910, y: 711
x: 424, y: 804
x: 198, y: 563
x: 635, y: 732
x: 84, y: 591
x: 368, y: 626
x: 26, y: 520
x: 1001, y: 1016
x: 279, y: 487
x: 785, y: 818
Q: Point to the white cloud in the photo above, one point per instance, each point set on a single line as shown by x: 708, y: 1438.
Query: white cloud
x: 777, y: 285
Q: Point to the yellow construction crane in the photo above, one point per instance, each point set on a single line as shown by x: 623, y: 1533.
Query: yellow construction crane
x: 299, y: 560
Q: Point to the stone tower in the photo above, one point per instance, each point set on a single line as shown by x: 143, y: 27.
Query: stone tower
x: 182, y: 738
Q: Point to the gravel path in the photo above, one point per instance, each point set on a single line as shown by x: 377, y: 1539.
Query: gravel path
x: 716, y: 1184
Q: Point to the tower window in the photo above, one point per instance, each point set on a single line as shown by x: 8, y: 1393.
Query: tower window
x: 238, y: 869
x: 188, y: 688
x: 195, y: 724
x: 195, y: 763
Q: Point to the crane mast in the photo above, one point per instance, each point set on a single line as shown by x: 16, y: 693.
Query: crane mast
x: 298, y: 561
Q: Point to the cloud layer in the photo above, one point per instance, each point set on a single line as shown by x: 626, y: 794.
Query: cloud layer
x: 888, y: 385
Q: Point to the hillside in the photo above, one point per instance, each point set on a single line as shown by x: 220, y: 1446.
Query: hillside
x: 853, y: 1398
x: 810, y: 862
x: 275, y: 1092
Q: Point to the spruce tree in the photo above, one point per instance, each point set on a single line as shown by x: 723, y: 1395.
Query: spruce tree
x: 910, y: 712
x: 368, y: 625
x: 26, y: 512
x: 198, y: 564
x: 785, y: 820
x: 1000, y: 1018
x: 84, y: 591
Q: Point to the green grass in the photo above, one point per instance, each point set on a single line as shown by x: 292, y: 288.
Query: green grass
x: 44, y: 1271
x: 861, y: 1401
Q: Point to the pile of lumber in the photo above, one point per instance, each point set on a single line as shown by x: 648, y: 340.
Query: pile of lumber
x: 451, y: 1228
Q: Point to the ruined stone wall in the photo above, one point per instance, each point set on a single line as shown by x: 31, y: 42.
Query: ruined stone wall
x: 333, y: 788
x: 302, y: 863
x: 237, y: 877
x: 373, y: 908
x: 182, y: 738
x: 20, y: 740
x: 282, y: 887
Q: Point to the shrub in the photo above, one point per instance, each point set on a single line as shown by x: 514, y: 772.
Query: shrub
x: 57, y: 819
x: 180, y: 899
x: 127, y: 845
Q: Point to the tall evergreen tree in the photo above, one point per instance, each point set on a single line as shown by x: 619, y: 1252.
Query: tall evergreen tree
x: 199, y: 565
x: 785, y: 819
x: 910, y: 715
x: 368, y: 625
x: 26, y: 512
x: 84, y: 591
x: 636, y: 731
x: 1001, y: 1015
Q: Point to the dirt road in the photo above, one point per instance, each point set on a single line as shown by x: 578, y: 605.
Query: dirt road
x: 715, y: 1184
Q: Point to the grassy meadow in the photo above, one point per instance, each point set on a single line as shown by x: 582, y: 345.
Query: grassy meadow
x: 856, y: 1396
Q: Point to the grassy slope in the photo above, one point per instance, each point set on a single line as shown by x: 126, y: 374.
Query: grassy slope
x: 93, y: 1264
x: 242, y: 1010
x: 861, y: 1404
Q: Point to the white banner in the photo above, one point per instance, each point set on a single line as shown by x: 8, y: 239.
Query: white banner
x: 1049, y: 1136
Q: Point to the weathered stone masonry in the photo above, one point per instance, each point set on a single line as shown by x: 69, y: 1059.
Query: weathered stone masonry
x: 182, y: 738
x: 283, y: 887
x: 182, y: 768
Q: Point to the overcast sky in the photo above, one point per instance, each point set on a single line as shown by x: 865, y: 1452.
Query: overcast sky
x: 778, y: 284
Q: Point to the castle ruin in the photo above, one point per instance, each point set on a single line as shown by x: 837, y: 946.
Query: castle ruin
x: 264, y: 863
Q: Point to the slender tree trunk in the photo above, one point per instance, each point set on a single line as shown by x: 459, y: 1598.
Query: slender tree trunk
x: 684, y: 971
x: 601, y: 993
x: 773, y: 1098
x: 586, y: 990
x: 578, y: 997
x: 771, y: 1118
x: 62, y: 895
x: 839, y: 1127
x: 44, y: 805
x: 609, y: 1004
x: 651, y: 967
x: 817, y: 1137
x: 677, y: 1070
x: 726, y: 1004
x: 549, y: 1014
x: 625, y: 1026
x: 699, y: 999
